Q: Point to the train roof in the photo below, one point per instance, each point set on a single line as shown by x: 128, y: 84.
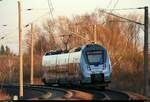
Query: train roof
x: 76, y: 49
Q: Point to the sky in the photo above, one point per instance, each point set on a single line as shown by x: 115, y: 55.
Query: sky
x: 9, y: 13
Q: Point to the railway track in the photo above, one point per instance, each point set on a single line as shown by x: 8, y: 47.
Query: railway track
x: 108, y: 94
x: 35, y: 92
x: 71, y: 94
x: 101, y: 94
x: 41, y: 92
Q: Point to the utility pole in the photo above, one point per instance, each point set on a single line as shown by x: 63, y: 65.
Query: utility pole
x: 77, y: 31
x: 20, y: 48
x: 95, y: 34
x: 146, y: 51
x: 32, y: 54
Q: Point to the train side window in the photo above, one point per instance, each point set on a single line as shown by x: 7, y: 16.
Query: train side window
x: 47, y: 53
x: 77, y: 49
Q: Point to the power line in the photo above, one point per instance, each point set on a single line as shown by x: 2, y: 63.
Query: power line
x: 15, y: 30
x: 50, y: 11
x: 37, y: 18
x: 109, y: 13
x: 51, y: 8
x: 3, y: 37
x: 115, y: 5
x: 37, y: 9
x: 110, y: 2
x: 8, y: 35
x: 125, y: 9
x: 51, y: 5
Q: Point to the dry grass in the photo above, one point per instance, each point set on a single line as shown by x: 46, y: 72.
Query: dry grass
x: 37, y: 81
x: 9, y: 70
x: 4, y: 96
x: 128, y: 80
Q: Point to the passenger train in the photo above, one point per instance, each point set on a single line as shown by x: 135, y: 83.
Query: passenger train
x: 88, y: 64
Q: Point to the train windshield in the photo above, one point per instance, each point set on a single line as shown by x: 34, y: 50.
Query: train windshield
x: 95, y: 57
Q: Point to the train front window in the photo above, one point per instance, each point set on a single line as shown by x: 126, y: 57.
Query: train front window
x: 95, y: 57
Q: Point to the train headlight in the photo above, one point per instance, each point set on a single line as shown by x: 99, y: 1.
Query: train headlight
x: 89, y: 68
x: 104, y: 67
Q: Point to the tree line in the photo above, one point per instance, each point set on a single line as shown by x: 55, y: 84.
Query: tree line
x: 5, y: 50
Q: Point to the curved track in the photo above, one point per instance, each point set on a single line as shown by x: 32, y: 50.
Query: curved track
x: 35, y: 92
x: 70, y: 94
x: 41, y: 92
x: 101, y: 94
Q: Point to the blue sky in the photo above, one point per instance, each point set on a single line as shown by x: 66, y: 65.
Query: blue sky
x: 9, y: 12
